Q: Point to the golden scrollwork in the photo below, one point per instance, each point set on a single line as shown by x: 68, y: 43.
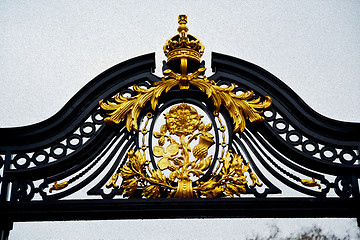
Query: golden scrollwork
x: 311, y: 183
x: 182, y: 126
x: 58, y: 186
x: 130, y: 107
x: 113, y: 180
x: 240, y: 107
x: 185, y: 47
x: 229, y: 181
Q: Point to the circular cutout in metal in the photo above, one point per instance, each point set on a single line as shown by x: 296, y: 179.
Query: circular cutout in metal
x: 58, y: 151
x: 328, y: 153
x: 97, y: 117
x: 87, y: 129
x: 269, y: 115
x: 281, y: 126
x: 294, y: 137
x: 40, y: 158
x: 310, y: 147
x: 74, y: 141
x: 347, y: 156
x: 21, y: 161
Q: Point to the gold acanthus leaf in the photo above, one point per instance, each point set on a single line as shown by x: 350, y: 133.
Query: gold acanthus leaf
x: 134, y: 173
x: 230, y: 181
x: 130, y: 107
x: 240, y: 107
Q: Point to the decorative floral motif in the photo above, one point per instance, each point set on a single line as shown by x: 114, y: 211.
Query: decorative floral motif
x: 171, y: 150
x: 230, y: 181
x: 184, y: 122
x: 181, y: 47
x: 136, y: 177
x: 240, y: 107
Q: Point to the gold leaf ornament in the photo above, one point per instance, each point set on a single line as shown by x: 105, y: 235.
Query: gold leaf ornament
x: 58, y: 186
x: 228, y: 180
x: 171, y: 150
x: 152, y: 191
x: 113, y: 180
x: 311, y: 183
x: 130, y: 185
x: 182, y: 120
x: 255, y: 180
x: 135, y: 176
x: 203, y: 165
x: 240, y: 107
x: 130, y: 107
x: 184, y: 48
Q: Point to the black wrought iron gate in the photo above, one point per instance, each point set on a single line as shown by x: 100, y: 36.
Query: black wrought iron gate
x: 130, y: 145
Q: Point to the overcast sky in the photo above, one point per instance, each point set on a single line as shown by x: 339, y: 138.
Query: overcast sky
x: 50, y: 49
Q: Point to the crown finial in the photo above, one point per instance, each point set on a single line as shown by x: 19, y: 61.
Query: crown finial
x: 182, y: 29
x: 183, y: 45
x: 182, y: 19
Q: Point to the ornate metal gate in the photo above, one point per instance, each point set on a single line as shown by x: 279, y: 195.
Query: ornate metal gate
x: 238, y: 143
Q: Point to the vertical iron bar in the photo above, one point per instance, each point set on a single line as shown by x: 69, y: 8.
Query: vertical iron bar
x: 5, y: 228
x: 5, y: 182
x: 5, y: 224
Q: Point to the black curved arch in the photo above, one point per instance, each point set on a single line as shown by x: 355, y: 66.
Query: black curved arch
x: 254, y: 77
x: 79, y: 107
x: 100, y: 151
x: 329, y: 132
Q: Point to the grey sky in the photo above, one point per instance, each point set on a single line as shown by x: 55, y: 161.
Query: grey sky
x: 50, y: 49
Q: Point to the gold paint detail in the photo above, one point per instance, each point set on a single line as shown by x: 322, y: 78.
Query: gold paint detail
x: 182, y: 126
x: 223, y: 146
x: 310, y: 183
x: 136, y: 176
x: 255, y: 180
x: 58, y: 186
x: 130, y: 107
x: 230, y: 181
x: 240, y: 107
x: 113, y: 181
x: 182, y: 120
x: 183, y: 45
x: 144, y: 131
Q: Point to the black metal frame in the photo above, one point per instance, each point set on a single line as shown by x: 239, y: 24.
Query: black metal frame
x: 76, y: 144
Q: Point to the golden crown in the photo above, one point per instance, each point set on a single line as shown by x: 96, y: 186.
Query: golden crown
x: 183, y: 45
